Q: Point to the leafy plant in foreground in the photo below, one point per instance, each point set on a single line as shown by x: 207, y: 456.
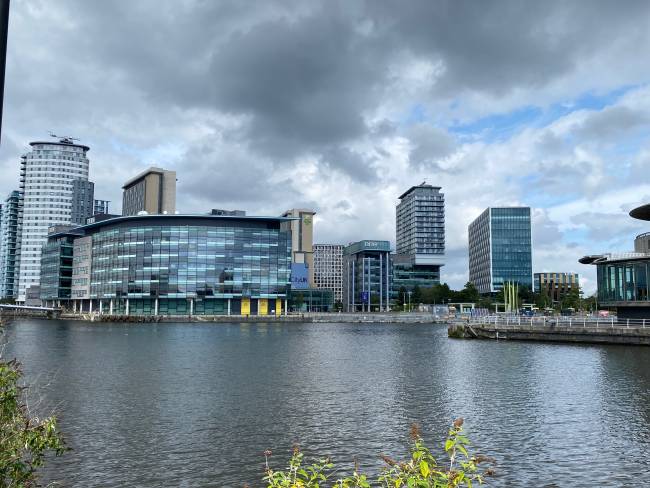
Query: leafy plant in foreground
x: 420, y: 470
x: 24, y: 439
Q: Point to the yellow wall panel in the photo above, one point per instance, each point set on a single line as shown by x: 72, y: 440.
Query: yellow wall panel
x: 245, y: 306
x: 263, y: 306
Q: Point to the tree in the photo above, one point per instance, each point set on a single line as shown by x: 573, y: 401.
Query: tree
x: 416, y: 296
x: 469, y: 294
x: 526, y: 295
x: 590, y: 303
x: 571, y: 299
x: 24, y: 439
x: 401, y: 296
x: 542, y: 300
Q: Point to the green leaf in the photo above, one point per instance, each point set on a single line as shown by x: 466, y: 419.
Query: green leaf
x: 424, y: 468
x: 449, y: 444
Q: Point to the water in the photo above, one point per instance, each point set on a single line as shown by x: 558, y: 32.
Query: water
x: 196, y: 405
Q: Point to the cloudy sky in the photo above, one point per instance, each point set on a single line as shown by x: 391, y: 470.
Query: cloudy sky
x: 341, y: 106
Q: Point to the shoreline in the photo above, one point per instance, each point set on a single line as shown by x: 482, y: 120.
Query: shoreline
x: 357, y: 318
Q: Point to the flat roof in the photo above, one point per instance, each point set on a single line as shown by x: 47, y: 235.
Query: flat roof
x: 79, y: 231
x: 58, y: 143
x: 419, y: 186
x: 151, y: 170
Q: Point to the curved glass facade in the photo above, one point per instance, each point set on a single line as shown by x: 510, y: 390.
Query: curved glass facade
x: 623, y: 281
x: 179, y: 265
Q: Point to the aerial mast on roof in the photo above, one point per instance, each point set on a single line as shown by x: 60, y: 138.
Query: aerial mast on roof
x: 65, y: 139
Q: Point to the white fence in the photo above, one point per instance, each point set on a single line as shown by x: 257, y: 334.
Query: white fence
x: 584, y: 322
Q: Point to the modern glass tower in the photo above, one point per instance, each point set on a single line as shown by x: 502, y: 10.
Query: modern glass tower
x: 47, y: 174
x: 500, y: 249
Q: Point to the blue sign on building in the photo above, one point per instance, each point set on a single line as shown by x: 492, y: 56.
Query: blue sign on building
x: 365, y: 297
x: 299, y: 276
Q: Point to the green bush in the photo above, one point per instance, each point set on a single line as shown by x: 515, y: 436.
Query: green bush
x: 24, y: 439
x: 421, y: 469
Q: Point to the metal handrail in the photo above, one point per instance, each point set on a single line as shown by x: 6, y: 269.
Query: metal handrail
x: 551, y: 322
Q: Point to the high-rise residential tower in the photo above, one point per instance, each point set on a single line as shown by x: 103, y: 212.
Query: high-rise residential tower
x: 328, y: 268
x: 500, y: 249
x: 47, y: 174
x: 83, y: 197
x: 8, y: 245
x: 420, y: 227
x: 152, y: 191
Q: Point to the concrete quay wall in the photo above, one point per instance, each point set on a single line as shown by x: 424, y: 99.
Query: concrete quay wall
x: 595, y: 335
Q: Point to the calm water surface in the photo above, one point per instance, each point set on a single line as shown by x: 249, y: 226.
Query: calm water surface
x: 195, y: 405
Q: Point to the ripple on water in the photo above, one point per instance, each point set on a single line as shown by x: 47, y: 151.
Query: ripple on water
x: 196, y: 405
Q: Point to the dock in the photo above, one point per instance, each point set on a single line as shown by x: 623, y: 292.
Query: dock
x: 554, y: 329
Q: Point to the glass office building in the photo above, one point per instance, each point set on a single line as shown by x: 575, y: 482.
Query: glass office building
x: 366, y: 281
x: 622, y: 279
x: 177, y: 265
x: 407, y: 274
x: 56, y: 269
x: 500, y: 249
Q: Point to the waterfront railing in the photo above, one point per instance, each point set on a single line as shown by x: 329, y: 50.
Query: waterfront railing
x: 570, y: 321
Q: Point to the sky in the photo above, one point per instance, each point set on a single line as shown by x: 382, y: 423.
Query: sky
x: 340, y: 106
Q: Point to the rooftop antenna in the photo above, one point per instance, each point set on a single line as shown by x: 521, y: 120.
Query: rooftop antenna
x: 68, y: 139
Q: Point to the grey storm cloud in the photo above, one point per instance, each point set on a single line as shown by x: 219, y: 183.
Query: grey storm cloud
x: 306, y: 76
x: 262, y: 105
x: 604, y: 226
x: 429, y: 145
x: 612, y: 122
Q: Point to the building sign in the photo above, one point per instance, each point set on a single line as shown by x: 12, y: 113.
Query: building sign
x: 299, y: 276
x: 365, y: 297
x: 376, y: 245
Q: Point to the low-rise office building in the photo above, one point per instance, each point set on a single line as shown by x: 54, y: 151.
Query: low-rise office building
x: 407, y: 274
x: 556, y: 285
x: 311, y: 300
x: 170, y: 265
x: 622, y: 279
x: 367, y: 276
